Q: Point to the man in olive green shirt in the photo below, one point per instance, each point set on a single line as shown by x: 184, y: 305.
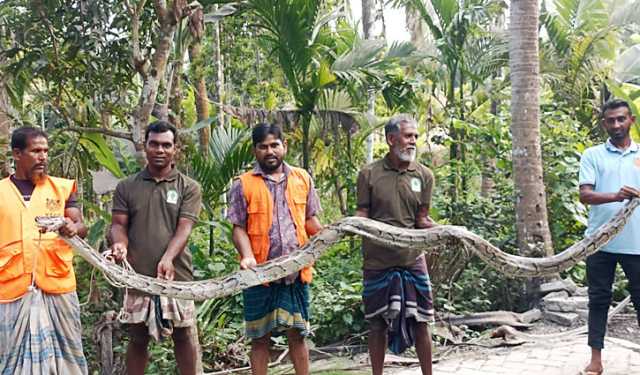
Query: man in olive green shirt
x: 153, y: 213
x: 397, y: 292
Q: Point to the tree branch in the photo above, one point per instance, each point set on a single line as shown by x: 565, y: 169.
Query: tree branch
x: 161, y: 10
x: 138, y: 61
x: 110, y: 133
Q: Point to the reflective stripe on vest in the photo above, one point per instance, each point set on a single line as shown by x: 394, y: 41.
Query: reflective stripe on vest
x: 23, y: 251
x: 260, y: 212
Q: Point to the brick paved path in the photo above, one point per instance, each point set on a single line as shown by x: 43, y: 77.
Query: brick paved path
x: 566, y: 357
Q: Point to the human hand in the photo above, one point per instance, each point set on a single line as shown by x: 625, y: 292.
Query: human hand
x: 119, y: 251
x: 166, y: 269
x: 627, y: 192
x: 69, y: 229
x: 248, y: 262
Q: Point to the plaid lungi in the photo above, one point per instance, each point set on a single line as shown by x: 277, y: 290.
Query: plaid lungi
x: 276, y: 308
x: 401, y: 297
x: 159, y: 313
x: 40, y: 334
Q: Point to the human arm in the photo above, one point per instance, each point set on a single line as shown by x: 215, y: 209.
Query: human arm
x: 590, y: 172
x: 119, y: 236
x: 363, y: 194
x: 243, y: 245
x: 237, y: 215
x: 177, y: 244
x: 589, y: 196
x: 423, y: 221
x: 119, y: 223
x: 74, y: 224
x: 312, y: 225
x: 188, y: 215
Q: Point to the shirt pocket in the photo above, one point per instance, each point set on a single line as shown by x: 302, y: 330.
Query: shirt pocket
x: 257, y: 220
x: 11, y: 262
x: 58, y: 259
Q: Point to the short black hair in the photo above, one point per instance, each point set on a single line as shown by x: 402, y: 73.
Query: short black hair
x: 21, y: 136
x: 614, y: 104
x: 262, y: 130
x: 161, y: 126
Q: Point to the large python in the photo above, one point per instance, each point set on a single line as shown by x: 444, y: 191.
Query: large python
x: 427, y: 240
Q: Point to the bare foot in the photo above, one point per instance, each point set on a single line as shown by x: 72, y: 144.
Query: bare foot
x: 594, y: 368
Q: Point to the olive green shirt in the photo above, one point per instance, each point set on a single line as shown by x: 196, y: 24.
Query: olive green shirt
x: 154, y: 208
x: 392, y: 197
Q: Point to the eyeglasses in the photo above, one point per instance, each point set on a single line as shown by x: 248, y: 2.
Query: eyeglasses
x: 613, y: 120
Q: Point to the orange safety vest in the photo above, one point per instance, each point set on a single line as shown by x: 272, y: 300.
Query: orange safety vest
x: 24, y: 253
x: 260, y: 212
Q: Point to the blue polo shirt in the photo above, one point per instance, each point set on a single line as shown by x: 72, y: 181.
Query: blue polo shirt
x: 608, y: 169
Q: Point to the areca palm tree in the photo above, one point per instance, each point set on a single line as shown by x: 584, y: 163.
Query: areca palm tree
x: 312, y: 56
x: 465, y: 50
x: 581, y: 45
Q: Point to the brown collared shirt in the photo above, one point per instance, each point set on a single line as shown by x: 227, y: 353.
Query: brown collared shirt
x: 154, y: 208
x: 393, y: 197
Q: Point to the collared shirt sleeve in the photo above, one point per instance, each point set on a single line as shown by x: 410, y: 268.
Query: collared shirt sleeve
x: 313, y: 202
x: 120, y: 203
x: 588, y: 170
x: 191, y: 202
x: 427, y: 191
x: 237, y: 212
x: 363, y: 189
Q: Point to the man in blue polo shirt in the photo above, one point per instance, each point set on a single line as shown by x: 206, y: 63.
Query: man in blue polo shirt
x: 609, y: 175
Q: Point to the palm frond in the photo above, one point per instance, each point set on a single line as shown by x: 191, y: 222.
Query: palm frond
x: 365, y: 54
x: 230, y: 153
x: 400, y: 50
x: 288, y: 119
x: 626, y: 14
x: 627, y: 68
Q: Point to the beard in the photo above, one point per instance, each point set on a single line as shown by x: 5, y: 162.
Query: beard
x: 37, y: 176
x: 407, y: 155
x: 268, y: 168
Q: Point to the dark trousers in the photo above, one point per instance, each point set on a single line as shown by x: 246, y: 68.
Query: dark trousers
x: 601, y: 268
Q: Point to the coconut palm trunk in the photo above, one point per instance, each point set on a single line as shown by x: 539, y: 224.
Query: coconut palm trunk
x: 534, y: 237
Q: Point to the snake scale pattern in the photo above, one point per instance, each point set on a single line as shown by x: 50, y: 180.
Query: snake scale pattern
x: 426, y: 240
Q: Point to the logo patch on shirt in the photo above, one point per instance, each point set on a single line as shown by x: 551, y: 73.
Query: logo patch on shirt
x: 416, y: 185
x: 636, y: 162
x: 172, y: 196
x: 53, y: 204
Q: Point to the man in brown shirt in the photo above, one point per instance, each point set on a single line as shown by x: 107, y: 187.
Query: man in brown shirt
x: 153, y: 214
x: 397, y: 292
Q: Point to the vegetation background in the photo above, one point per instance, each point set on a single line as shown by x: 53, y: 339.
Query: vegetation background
x: 486, y: 79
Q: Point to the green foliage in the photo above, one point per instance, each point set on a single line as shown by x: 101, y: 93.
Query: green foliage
x: 336, y: 308
x: 98, y: 147
x: 69, y: 63
x: 230, y: 153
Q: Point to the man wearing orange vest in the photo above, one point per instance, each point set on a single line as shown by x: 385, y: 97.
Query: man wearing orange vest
x: 273, y: 211
x: 40, y: 329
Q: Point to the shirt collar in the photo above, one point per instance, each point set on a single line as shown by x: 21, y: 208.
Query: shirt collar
x: 633, y: 147
x: 386, y: 163
x: 146, y: 175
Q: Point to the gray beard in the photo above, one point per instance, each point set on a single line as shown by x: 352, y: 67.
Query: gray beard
x: 407, y: 156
